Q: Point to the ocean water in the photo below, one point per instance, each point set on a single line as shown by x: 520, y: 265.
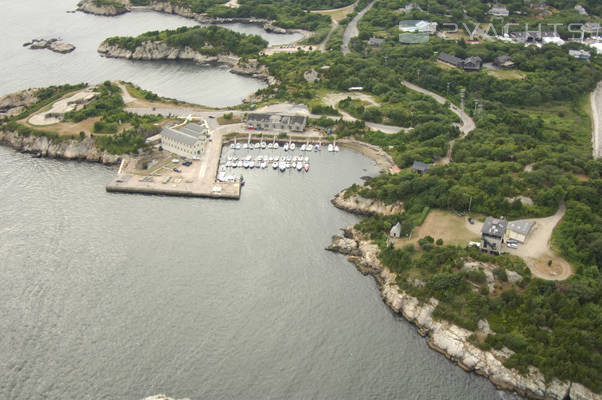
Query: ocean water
x: 111, y: 296
x: 22, y: 68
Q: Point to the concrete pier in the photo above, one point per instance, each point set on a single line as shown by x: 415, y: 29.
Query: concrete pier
x: 197, y: 180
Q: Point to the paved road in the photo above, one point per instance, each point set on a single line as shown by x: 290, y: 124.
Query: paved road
x: 596, y: 104
x: 467, y: 126
x: 351, y: 31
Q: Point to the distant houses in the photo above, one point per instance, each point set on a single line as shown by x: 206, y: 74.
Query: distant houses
x: 185, y: 141
x: 265, y: 121
x: 504, y: 61
x: 580, y: 54
x: 420, y: 167
x: 409, y: 7
x: 580, y: 9
x: 375, y: 42
x: 418, y: 26
x: 472, y: 63
x: 395, y: 231
x: 499, y: 11
x: 492, y: 235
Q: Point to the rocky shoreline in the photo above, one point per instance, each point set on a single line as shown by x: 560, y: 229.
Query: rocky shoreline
x: 71, y: 149
x: 89, y: 7
x: 356, y: 204
x: 446, y: 338
x: 156, y: 51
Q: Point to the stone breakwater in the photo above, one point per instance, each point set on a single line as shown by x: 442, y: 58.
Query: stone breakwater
x: 358, y: 205
x: 88, y: 6
x: 448, y: 339
x: 71, y: 149
x: 54, y: 44
x: 157, y: 50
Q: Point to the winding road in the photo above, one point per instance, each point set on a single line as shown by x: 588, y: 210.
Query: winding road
x: 596, y: 104
x: 351, y: 31
x: 467, y: 126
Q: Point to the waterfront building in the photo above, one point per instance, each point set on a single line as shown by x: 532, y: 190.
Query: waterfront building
x: 265, y: 121
x: 185, y: 141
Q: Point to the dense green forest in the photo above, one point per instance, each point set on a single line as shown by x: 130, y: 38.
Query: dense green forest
x: 210, y: 41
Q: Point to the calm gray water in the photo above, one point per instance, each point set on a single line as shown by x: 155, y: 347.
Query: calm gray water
x: 108, y: 296
x: 22, y: 68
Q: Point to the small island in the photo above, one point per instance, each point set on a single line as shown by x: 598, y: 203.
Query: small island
x: 54, y: 44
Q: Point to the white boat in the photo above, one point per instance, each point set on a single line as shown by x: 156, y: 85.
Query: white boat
x: 288, y: 164
x: 264, y: 145
x: 246, y: 164
x: 245, y: 146
x: 227, y: 164
x: 248, y: 157
x: 282, y: 166
x: 264, y: 165
x: 330, y: 147
x: 229, y: 158
x: 270, y: 158
x: 336, y: 148
x: 239, y: 163
x: 235, y: 158
x: 292, y: 146
x: 257, y: 145
x: 302, y: 147
x: 306, y: 167
x: 237, y: 146
x: 270, y: 145
x: 276, y: 145
x: 286, y: 147
x: 251, y: 164
x: 275, y: 165
x: 299, y: 166
x: 317, y: 147
x: 232, y: 145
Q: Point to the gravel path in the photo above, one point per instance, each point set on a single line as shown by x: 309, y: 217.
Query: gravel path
x: 351, y: 31
x: 596, y: 104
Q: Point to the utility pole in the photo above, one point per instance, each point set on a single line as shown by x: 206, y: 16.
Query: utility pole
x: 462, y: 93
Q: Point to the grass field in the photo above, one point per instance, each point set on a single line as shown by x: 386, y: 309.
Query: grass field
x: 507, y: 74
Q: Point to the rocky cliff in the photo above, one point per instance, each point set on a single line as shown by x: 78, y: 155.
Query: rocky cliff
x: 358, y: 205
x: 158, y: 50
x: 90, y: 7
x: 14, y: 103
x: 448, y: 339
x: 72, y: 149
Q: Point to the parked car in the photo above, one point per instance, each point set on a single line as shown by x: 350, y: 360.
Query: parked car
x: 211, y: 116
x: 512, y: 245
x: 187, y: 163
x: 470, y: 220
x: 177, y: 170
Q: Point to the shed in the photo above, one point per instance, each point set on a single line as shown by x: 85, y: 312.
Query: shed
x: 519, y: 230
x: 396, y: 231
x: 450, y: 59
x: 503, y: 62
x: 420, y: 167
x: 492, y: 235
x: 472, y: 63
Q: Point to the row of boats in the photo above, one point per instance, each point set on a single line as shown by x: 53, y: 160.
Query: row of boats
x: 287, y: 146
x: 283, y: 163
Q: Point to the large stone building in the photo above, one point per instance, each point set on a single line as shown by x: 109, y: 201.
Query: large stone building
x: 492, y: 235
x: 186, y: 141
x: 294, y: 123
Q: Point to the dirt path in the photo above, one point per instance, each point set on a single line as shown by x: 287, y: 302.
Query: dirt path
x: 536, y: 251
x: 351, y: 31
x: 596, y: 104
x: 125, y: 94
x: 466, y: 127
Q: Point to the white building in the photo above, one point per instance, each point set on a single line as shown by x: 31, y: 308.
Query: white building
x: 580, y: 54
x: 186, y: 141
x: 520, y: 230
x: 499, y: 11
x: 418, y: 26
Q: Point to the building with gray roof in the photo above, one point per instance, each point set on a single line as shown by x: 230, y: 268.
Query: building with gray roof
x: 266, y: 121
x: 420, y: 167
x: 520, y: 230
x: 492, y: 235
x: 395, y: 231
x: 186, y: 141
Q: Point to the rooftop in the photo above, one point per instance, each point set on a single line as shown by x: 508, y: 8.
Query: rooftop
x: 522, y: 226
x: 494, y: 227
x: 188, y: 134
